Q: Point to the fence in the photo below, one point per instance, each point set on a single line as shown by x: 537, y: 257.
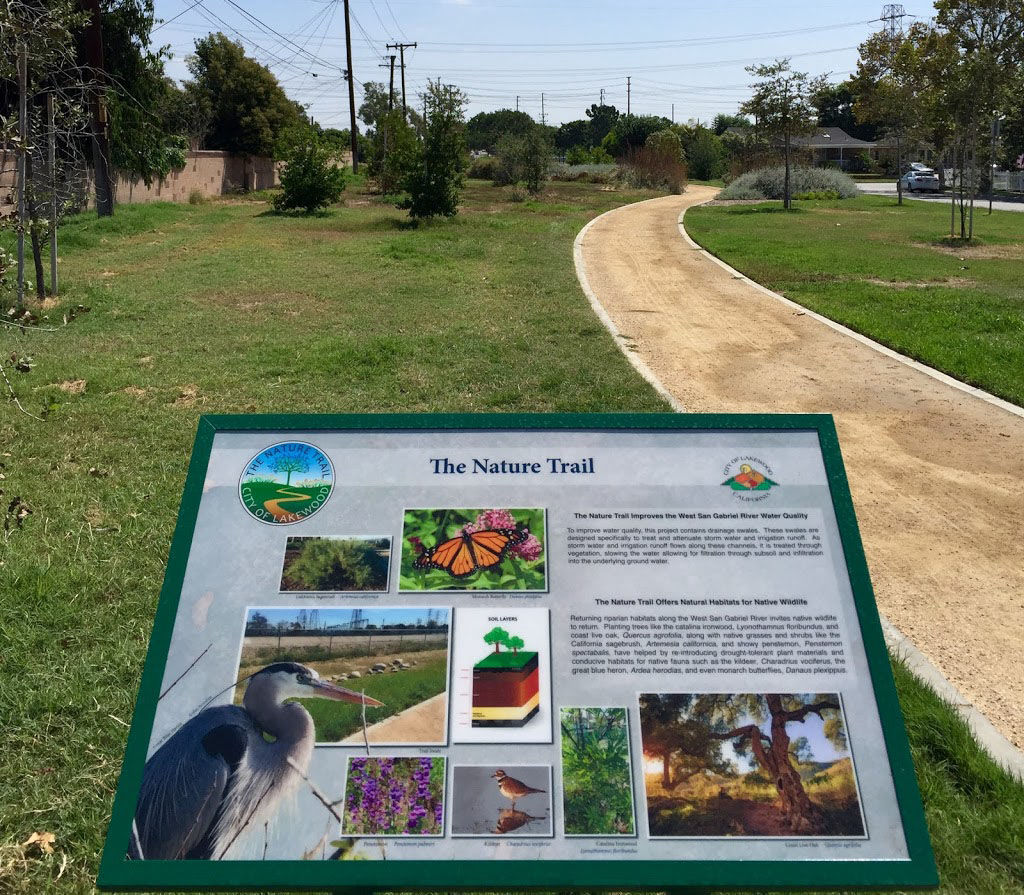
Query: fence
x: 1009, y: 180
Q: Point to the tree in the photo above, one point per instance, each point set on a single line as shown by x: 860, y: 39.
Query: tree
x: 486, y: 129
x: 435, y: 179
x: 630, y: 132
x: 888, y: 89
x: 705, y: 154
x: 602, y: 120
x: 249, y: 111
x: 989, y: 39
x: 772, y: 750
x: 515, y: 644
x: 574, y: 133
x: 147, y: 137
x: 835, y: 104
x: 394, y: 151
x: 376, y: 103
x: 683, y: 745
x: 722, y: 122
x: 666, y: 142
x: 310, y: 180
x: 497, y: 637
x: 781, y: 105
x: 288, y: 465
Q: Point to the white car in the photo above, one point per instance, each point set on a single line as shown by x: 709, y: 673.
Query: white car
x: 920, y: 178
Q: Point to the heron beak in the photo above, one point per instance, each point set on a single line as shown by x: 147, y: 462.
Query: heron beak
x: 327, y: 690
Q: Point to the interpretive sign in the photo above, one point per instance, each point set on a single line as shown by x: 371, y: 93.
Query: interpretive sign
x: 502, y: 652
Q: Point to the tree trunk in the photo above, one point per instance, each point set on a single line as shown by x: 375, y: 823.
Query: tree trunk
x: 33, y: 227
x: 801, y: 813
x: 666, y: 771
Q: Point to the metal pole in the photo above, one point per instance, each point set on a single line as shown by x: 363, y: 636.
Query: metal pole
x: 401, y: 51
x: 351, y: 92
x: 23, y: 147
x: 52, y: 138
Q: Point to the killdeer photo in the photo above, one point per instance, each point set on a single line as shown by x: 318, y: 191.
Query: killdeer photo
x: 511, y: 788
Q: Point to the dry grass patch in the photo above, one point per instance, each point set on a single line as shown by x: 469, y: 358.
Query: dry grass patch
x: 72, y: 386
x: 1013, y: 251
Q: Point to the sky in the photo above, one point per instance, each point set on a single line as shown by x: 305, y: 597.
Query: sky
x: 684, y: 59
x: 330, y: 617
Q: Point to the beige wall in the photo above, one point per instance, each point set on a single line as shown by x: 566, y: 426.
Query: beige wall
x: 207, y: 172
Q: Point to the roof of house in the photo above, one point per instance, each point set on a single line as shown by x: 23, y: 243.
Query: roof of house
x: 825, y: 137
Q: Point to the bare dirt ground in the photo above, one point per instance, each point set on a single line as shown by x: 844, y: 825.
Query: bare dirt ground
x: 937, y: 475
x: 422, y: 723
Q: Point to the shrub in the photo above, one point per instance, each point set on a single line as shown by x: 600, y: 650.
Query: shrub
x: 196, y: 197
x: 666, y: 142
x: 647, y: 168
x: 310, y: 179
x: 484, y: 168
x: 705, y: 155
x: 767, y: 183
x: 523, y: 159
x: 395, y: 151
x: 582, y: 173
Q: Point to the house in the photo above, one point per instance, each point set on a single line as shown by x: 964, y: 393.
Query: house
x: 834, y: 147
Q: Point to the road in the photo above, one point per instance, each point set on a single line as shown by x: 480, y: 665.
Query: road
x: 980, y: 204
x: 935, y: 471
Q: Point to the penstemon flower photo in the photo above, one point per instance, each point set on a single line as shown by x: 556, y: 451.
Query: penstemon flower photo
x: 394, y: 797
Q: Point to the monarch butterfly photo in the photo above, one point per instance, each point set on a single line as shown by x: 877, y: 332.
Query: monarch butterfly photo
x: 489, y: 549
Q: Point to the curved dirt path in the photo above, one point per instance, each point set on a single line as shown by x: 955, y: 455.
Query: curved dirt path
x: 274, y: 506
x: 937, y: 474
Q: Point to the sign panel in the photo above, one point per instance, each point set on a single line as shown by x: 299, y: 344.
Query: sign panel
x: 603, y: 651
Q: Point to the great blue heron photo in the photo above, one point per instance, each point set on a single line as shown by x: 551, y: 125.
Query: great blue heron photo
x: 228, y: 769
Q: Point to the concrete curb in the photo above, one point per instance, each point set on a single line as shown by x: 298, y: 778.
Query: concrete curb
x: 991, y: 740
x: 864, y: 340
x: 602, y: 315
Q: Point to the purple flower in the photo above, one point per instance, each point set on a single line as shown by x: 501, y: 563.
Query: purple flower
x: 491, y: 519
x: 529, y: 549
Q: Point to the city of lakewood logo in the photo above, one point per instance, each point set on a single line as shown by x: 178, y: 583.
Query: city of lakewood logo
x: 748, y: 475
x: 286, y: 482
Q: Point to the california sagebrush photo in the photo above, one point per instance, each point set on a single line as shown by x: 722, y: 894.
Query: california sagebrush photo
x: 398, y: 656
x: 473, y: 549
x: 748, y: 764
x: 394, y: 797
x: 597, y: 786
x: 336, y: 564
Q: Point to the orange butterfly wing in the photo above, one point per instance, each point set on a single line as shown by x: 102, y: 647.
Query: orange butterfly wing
x: 465, y: 554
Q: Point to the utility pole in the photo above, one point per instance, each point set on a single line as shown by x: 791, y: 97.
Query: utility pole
x: 542, y: 121
x: 601, y: 103
x: 391, y: 83
x: 627, y: 94
x: 517, y: 103
x: 401, y: 50
x: 23, y: 139
x: 100, y: 140
x: 52, y: 159
x: 351, y: 92
x: 673, y: 113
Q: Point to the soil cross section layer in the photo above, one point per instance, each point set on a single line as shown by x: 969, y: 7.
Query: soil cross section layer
x: 936, y: 473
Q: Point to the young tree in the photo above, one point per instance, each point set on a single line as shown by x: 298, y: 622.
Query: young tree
x: 248, y: 109
x: 781, y: 105
x: 434, y: 182
x: 497, y: 637
x: 515, y: 644
x: 524, y: 159
x: 394, y: 151
x: 311, y: 179
x: 602, y: 120
x: 289, y: 465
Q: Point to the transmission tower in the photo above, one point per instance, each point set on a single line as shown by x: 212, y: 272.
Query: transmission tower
x: 893, y: 15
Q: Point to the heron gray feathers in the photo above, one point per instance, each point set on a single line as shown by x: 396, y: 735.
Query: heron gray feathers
x: 227, y: 769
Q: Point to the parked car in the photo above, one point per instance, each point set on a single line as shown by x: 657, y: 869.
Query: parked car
x: 920, y: 178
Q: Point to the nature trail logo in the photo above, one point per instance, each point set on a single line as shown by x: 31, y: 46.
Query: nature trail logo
x: 747, y: 478
x: 286, y: 482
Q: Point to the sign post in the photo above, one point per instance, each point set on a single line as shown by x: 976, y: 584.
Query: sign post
x: 504, y: 652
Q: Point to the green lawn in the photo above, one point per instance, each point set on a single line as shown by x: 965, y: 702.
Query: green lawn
x: 887, y: 272
x: 222, y: 307
x: 336, y: 720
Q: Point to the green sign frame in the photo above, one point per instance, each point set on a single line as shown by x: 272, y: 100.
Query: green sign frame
x: 117, y: 873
